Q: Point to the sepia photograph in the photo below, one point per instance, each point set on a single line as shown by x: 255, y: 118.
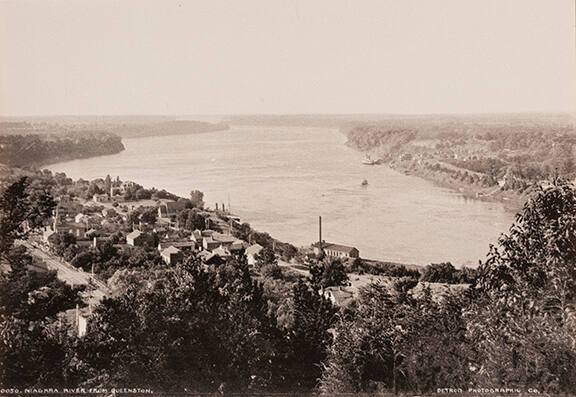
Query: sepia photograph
x: 287, y: 198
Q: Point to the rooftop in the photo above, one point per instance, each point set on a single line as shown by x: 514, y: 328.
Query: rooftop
x: 170, y: 250
x: 336, y: 247
x: 254, y: 249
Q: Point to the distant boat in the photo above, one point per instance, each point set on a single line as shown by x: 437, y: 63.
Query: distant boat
x: 364, y: 182
x: 368, y: 161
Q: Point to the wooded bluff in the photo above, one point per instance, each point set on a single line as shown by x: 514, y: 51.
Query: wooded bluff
x: 41, y: 149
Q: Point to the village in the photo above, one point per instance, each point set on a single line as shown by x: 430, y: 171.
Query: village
x: 166, y: 229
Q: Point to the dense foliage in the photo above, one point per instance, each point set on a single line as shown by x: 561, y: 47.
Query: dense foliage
x: 36, y: 149
x: 22, y: 209
x: 32, y: 346
x: 446, y: 273
x: 327, y: 273
x: 527, y: 295
x: 381, y: 268
x: 392, y: 342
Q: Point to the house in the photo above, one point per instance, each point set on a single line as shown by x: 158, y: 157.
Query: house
x: 78, y: 230
x: 136, y: 238
x: 98, y: 242
x: 168, y: 209
x: 208, y: 243
x: 222, y: 252
x: 209, y: 258
x: 252, y: 252
x: 216, y: 240
x: 171, y: 255
x: 208, y: 232
x: 237, y: 246
x: 183, y: 245
x: 336, y: 250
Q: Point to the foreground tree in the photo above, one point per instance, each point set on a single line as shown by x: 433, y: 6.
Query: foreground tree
x: 197, y: 199
x: 328, y: 273
x: 309, y: 336
x: 266, y: 257
x: 439, y: 273
x: 394, y: 342
x: 30, y: 295
x: 182, y: 328
x: 33, y: 345
x: 523, y: 320
x: 21, y: 211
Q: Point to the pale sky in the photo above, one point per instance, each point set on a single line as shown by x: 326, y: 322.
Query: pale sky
x: 271, y: 56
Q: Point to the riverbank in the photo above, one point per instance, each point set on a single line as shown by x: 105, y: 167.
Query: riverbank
x: 513, y: 201
x: 496, y: 158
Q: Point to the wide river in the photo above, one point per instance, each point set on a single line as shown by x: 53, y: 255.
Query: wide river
x: 280, y: 179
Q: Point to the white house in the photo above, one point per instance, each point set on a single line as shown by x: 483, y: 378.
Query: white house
x: 252, y: 252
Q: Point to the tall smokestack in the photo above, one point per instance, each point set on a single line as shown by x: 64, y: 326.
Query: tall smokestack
x: 320, y: 231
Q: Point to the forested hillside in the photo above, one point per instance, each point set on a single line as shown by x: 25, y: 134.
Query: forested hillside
x: 40, y: 149
x: 509, y: 153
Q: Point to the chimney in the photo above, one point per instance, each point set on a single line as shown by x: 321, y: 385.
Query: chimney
x: 320, y: 231
x: 223, y: 208
x: 216, y: 206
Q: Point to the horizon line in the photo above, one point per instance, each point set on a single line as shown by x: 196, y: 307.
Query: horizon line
x: 527, y: 112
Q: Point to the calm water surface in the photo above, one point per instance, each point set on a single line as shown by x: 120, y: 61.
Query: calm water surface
x: 280, y: 179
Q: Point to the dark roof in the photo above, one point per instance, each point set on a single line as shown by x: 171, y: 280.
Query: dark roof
x: 224, y: 238
x: 178, y: 244
x: 338, y: 247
